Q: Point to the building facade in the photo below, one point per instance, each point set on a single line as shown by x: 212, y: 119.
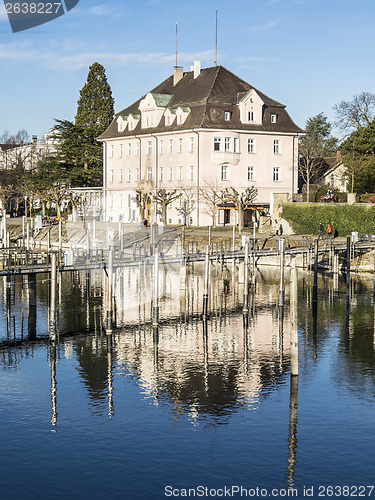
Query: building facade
x: 198, y: 133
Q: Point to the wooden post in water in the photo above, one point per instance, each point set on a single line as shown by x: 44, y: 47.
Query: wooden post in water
x: 52, y: 321
x: 109, y: 323
x: 315, y: 286
x: 293, y: 320
x: 348, y: 251
x: 28, y: 236
x: 32, y: 306
x: 282, y: 265
x: 209, y: 236
x: 155, y: 298
x: 206, y: 282
x: 245, y: 307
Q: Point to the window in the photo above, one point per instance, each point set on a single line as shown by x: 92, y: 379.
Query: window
x: 227, y: 144
x: 111, y: 201
x: 180, y: 145
x: 235, y: 144
x: 273, y: 118
x: 276, y: 176
x: 170, y: 174
x: 217, y: 141
x: 120, y: 174
x: 161, y: 173
x: 191, y: 148
x: 180, y: 173
x: 137, y: 149
x: 111, y: 176
x: 149, y: 147
x: 111, y: 151
x: 277, y: 146
x: 129, y: 152
x: 120, y: 153
x: 170, y: 147
x: 192, y: 173
x: 251, y: 145
x: 250, y: 116
x: 168, y: 120
x: 161, y: 147
x: 225, y: 172
x: 129, y: 175
x: 149, y: 174
x: 251, y: 173
x: 227, y: 116
x: 129, y: 200
x: 137, y: 174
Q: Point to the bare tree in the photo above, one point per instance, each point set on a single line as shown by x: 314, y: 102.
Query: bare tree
x: 142, y: 198
x: 357, y: 113
x: 212, y: 194
x: 165, y: 198
x: 187, y: 203
x: 241, y: 200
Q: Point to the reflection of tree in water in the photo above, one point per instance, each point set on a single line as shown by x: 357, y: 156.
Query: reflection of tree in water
x: 91, y: 355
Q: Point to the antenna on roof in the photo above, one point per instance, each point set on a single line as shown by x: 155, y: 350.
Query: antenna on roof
x: 216, y: 41
x: 176, y: 45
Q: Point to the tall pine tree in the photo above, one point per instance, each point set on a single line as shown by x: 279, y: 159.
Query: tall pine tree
x: 95, y: 105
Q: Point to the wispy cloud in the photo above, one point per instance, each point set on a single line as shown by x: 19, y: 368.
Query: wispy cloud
x: 265, y: 27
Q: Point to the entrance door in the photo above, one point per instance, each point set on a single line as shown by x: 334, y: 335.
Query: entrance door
x: 226, y: 216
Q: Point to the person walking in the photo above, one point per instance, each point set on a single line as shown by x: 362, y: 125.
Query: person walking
x: 329, y: 231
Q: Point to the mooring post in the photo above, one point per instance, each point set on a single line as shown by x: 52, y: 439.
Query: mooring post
x: 4, y: 228
x: 245, y: 308
x: 28, y: 236
x: 52, y: 321
x: 293, y: 319
x: 88, y: 243
x: 60, y: 236
x: 94, y: 232
x: 348, y: 251
x: 233, y: 238
x: 209, y: 236
x: 109, y: 325
x: 206, y: 282
x: 282, y: 264
x: 23, y: 231
x: 32, y: 306
x: 183, y: 275
x: 155, y: 299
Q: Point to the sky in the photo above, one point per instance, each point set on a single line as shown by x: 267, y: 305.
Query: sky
x: 307, y: 54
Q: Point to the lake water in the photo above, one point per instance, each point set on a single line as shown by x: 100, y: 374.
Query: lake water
x: 150, y: 414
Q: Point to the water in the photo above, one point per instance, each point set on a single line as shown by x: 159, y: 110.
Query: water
x: 144, y: 414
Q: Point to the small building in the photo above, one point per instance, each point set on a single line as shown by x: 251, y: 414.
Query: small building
x: 334, y: 176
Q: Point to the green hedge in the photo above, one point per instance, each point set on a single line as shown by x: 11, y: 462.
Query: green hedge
x: 305, y: 219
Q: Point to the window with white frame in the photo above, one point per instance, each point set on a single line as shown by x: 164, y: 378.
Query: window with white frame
x: 111, y: 176
x: 170, y: 174
x: 236, y: 142
x: 227, y: 116
x: 217, y: 142
x: 129, y: 200
x: 161, y: 146
x: 191, y: 148
x: 192, y: 173
x: 137, y: 174
x: 111, y: 151
x: 120, y: 174
x: 250, y: 116
x: 170, y: 146
x: 225, y: 173
x: 180, y: 141
x: 276, y: 174
x: 137, y: 149
x: 129, y: 151
x: 277, y: 146
x: 129, y: 175
x: 149, y: 174
x: 120, y: 151
x: 161, y: 173
x: 273, y: 118
x: 180, y: 173
x: 226, y: 143
x: 251, y: 173
x: 251, y: 145
x: 149, y: 147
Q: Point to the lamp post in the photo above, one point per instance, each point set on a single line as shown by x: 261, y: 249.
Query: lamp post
x: 25, y: 205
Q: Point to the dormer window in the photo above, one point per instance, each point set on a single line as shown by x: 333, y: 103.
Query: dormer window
x: 227, y: 116
x: 273, y: 118
x: 250, y: 116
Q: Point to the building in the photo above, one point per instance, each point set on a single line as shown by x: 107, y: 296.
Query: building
x: 334, y: 176
x: 198, y: 132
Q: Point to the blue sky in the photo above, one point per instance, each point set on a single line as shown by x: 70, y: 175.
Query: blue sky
x: 307, y: 54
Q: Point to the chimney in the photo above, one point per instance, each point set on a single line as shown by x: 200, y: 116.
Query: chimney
x: 197, y: 68
x: 177, y: 75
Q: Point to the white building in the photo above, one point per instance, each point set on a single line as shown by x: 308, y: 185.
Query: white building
x: 197, y: 132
